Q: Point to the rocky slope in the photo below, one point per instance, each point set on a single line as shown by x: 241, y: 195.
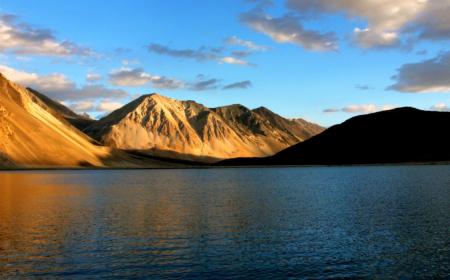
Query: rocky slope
x: 395, y: 136
x: 33, y: 134
x: 188, y: 130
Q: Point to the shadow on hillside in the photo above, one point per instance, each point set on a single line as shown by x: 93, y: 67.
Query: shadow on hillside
x: 6, y: 162
x: 144, y: 159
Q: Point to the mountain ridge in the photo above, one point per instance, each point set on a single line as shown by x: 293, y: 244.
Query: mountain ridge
x: 162, y: 125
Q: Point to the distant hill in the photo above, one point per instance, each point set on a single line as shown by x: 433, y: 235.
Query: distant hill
x: 167, y: 127
x: 399, y: 135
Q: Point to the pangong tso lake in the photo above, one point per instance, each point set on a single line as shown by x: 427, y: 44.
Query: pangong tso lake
x: 254, y: 223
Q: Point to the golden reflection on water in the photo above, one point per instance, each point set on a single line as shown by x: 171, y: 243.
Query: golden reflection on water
x: 48, y: 214
x: 36, y: 215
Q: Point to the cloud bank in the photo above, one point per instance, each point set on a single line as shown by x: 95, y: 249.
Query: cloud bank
x: 288, y: 29
x: 390, y: 23
x: 60, y: 87
x: 24, y: 39
x: 137, y: 77
x: 428, y: 76
x: 203, y: 54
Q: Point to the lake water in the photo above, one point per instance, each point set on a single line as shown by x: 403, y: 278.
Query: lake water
x: 330, y: 222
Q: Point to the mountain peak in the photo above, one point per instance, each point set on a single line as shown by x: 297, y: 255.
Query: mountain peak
x: 233, y: 107
x: 405, y: 109
x: 232, y: 110
x: 264, y: 111
x: 262, y: 108
x: 155, y: 96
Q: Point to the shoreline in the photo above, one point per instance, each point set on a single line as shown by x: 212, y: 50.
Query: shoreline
x: 2, y: 169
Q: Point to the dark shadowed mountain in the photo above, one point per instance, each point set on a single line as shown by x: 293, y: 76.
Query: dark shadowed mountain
x: 399, y: 135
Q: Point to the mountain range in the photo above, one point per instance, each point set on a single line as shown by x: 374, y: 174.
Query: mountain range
x: 157, y: 131
x: 167, y: 127
x: 153, y: 130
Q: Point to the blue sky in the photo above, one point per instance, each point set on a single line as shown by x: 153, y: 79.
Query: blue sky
x: 320, y: 60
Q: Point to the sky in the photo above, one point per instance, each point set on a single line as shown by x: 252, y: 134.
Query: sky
x: 321, y: 60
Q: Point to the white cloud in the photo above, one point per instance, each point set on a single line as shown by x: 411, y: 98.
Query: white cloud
x: 82, y: 106
x: 203, y: 84
x: 288, y: 29
x: 234, y: 60
x: 360, y: 109
x: 108, y: 106
x: 162, y: 82
x: 138, y: 77
x: 365, y: 108
x: 24, y: 39
x: 331, y: 110
x: 388, y: 21
x: 54, y: 81
x: 93, y: 77
x: 95, y: 107
x: 441, y: 107
x: 127, y: 62
x: 58, y: 86
x: 234, y: 40
x: 428, y: 76
x: 129, y: 77
x: 368, y: 38
x: 201, y: 54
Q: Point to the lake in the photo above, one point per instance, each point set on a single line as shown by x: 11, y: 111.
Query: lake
x: 305, y: 222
